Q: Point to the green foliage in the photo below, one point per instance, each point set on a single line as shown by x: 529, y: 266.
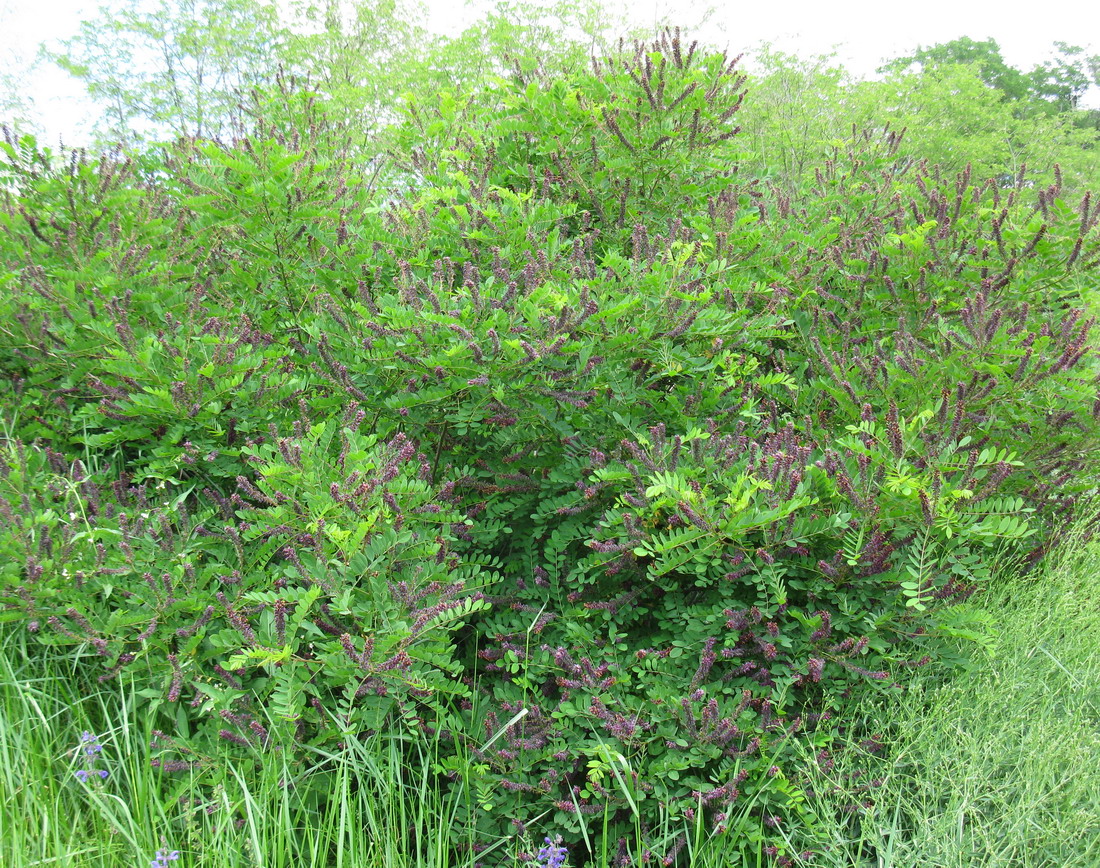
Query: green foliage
x: 613, y: 471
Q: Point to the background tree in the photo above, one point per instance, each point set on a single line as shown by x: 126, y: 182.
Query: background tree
x: 177, y: 67
x: 1056, y: 85
x: 984, y: 55
x: 16, y: 102
x: 1064, y: 79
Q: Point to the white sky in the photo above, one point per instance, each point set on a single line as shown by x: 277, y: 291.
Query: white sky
x: 862, y: 32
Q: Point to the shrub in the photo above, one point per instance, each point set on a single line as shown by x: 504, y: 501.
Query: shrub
x: 615, y: 472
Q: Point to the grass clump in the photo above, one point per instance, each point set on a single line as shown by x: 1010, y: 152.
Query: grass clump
x: 995, y: 766
x: 245, y: 811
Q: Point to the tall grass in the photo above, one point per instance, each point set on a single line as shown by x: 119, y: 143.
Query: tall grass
x: 998, y: 766
x: 386, y: 813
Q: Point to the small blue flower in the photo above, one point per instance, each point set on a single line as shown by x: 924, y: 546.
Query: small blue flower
x: 553, y: 855
x: 90, y: 744
x: 163, y: 857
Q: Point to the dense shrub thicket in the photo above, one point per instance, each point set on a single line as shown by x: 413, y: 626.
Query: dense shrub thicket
x: 556, y: 441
